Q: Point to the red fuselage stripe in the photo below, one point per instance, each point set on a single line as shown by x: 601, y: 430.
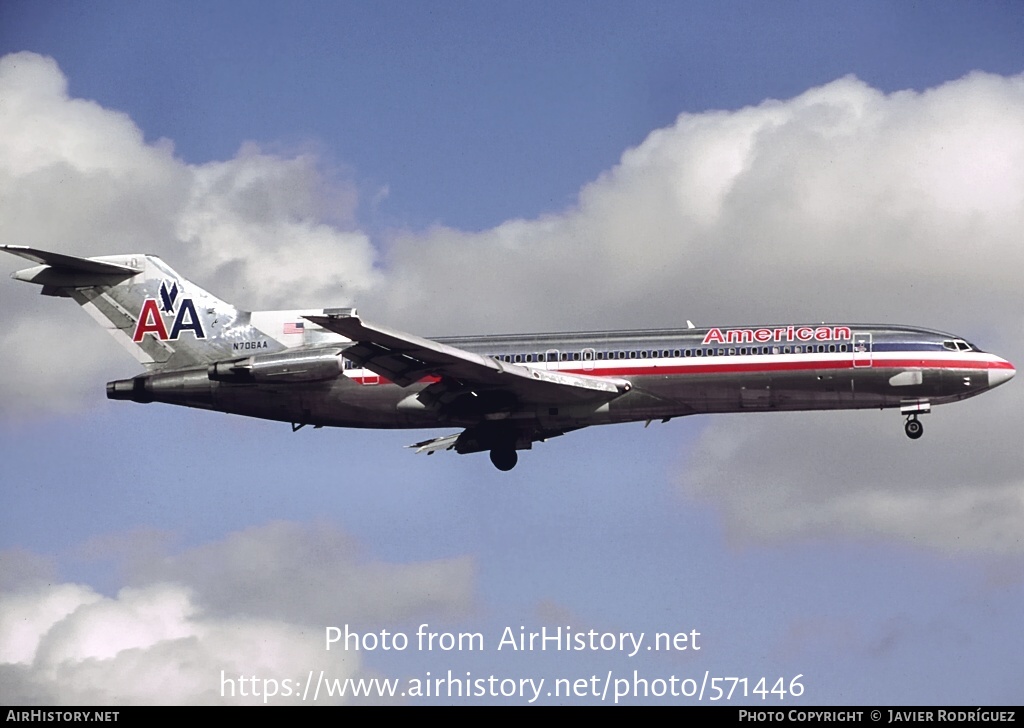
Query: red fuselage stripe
x: 660, y: 370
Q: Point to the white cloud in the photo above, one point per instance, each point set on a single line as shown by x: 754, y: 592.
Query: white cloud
x: 256, y: 224
x: 255, y: 604
x: 149, y: 646
x: 780, y: 476
x: 27, y: 615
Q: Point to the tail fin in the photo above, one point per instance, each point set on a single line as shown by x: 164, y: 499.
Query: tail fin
x: 164, y: 320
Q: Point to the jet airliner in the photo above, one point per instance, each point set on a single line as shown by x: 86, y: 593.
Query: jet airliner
x: 329, y: 367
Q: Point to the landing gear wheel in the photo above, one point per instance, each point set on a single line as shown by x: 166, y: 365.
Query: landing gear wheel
x: 913, y: 427
x: 504, y: 459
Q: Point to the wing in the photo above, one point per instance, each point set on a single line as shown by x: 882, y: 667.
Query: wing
x: 406, y: 359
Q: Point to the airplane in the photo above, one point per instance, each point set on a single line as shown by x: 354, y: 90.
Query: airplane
x: 329, y: 367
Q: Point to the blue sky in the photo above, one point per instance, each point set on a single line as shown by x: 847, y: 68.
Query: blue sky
x: 471, y: 167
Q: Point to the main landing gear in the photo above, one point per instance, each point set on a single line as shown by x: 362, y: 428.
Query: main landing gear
x: 913, y: 427
x: 504, y: 459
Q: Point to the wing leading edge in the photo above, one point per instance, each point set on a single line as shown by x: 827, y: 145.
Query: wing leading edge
x: 406, y: 359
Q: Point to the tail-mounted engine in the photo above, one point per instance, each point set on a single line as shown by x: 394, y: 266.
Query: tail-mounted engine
x: 285, y: 367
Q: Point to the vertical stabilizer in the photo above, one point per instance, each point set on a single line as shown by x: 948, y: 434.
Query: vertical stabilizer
x: 163, y: 319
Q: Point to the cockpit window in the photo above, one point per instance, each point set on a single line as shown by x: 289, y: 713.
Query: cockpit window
x: 958, y: 345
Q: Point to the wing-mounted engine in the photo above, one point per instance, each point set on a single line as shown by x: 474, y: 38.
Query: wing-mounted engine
x: 287, y: 367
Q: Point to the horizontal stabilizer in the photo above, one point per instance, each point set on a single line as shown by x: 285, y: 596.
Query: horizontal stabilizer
x: 164, y: 320
x: 69, y: 263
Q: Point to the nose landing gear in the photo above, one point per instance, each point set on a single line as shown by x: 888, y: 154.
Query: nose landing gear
x: 913, y: 427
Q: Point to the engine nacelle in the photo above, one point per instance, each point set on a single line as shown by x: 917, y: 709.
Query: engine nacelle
x: 315, y: 365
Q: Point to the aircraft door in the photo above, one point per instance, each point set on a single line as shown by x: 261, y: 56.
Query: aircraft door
x: 588, y: 360
x: 551, y: 357
x: 862, y: 349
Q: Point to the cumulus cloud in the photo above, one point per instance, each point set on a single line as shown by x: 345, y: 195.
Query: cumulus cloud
x: 255, y: 603
x: 781, y: 476
x: 149, y: 646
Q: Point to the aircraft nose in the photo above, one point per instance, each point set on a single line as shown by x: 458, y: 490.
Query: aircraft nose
x: 1001, y: 375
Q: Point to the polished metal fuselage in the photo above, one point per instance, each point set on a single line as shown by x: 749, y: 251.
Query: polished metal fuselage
x: 673, y: 373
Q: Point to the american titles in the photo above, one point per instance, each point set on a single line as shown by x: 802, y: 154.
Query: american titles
x: 779, y: 333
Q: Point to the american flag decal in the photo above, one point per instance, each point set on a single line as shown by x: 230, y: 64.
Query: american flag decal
x: 294, y: 328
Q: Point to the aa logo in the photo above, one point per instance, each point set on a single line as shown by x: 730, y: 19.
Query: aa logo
x: 151, y: 317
